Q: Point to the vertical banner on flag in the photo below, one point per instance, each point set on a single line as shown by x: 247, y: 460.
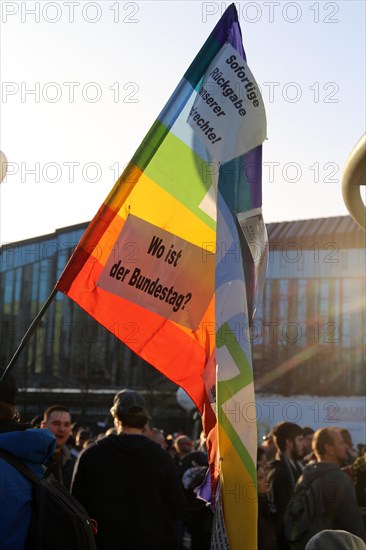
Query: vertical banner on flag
x: 236, y: 418
x: 168, y: 263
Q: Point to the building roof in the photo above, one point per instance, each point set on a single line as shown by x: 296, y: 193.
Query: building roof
x: 307, y: 234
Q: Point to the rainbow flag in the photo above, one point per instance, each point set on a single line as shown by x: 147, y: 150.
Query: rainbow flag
x: 162, y: 264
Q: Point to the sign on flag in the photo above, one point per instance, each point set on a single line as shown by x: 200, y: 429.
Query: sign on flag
x: 228, y: 113
x: 173, y: 253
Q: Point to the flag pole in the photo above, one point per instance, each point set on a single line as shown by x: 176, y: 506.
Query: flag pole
x: 28, y: 334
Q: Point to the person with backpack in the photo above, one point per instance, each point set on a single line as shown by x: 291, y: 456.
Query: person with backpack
x: 32, y: 446
x: 36, y: 511
x: 324, y: 496
x: 284, y: 471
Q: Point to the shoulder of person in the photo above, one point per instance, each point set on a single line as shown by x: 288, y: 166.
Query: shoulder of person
x: 277, y: 467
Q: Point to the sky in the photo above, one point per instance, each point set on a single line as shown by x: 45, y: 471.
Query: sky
x: 82, y: 82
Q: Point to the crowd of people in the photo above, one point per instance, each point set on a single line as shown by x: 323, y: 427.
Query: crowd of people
x: 293, y: 459
x: 140, y: 486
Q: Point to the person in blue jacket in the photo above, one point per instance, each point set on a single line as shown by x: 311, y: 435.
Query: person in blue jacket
x: 35, y: 447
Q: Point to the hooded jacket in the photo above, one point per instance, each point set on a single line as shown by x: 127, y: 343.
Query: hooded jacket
x: 34, y: 447
x: 335, y: 540
x: 339, y: 496
x: 130, y: 486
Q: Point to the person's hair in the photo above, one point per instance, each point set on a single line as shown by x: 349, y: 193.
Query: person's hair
x: 7, y: 411
x: 307, y: 431
x: 135, y: 417
x: 322, y: 437
x: 75, y: 427
x: 347, y: 438
x: 36, y: 421
x: 47, y: 413
x: 182, y: 439
x: 83, y: 434
x: 283, y: 431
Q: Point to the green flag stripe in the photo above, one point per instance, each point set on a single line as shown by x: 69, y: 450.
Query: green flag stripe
x: 226, y: 389
x: 183, y: 174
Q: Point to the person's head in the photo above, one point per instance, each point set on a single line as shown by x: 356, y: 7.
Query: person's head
x: 8, y: 397
x: 183, y: 445
x: 289, y: 440
x: 128, y: 411
x: 36, y: 421
x: 262, y: 481
x: 57, y: 419
x: 347, y: 438
x: 269, y: 446
x: 329, y: 446
x: 308, y: 434
x: 75, y: 428
x: 81, y: 437
x: 334, y: 539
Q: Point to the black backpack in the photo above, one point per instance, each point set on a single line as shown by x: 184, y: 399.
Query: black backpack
x: 59, y: 521
x: 307, y: 512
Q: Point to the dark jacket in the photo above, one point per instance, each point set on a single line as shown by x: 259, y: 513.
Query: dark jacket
x: 129, y: 485
x: 61, y: 465
x: 267, y: 539
x: 282, y: 479
x: 339, y: 497
x: 16, y: 492
x: 192, y: 472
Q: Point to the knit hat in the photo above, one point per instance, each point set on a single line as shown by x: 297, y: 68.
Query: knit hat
x: 335, y: 540
x: 8, y: 388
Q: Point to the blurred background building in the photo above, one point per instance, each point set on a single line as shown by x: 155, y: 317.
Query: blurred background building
x: 308, y: 335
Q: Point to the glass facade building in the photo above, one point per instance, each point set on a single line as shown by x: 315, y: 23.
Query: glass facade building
x: 308, y: 334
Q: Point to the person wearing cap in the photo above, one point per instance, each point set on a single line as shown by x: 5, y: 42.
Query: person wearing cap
x: 129, y: 484
x: 34, y: 447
